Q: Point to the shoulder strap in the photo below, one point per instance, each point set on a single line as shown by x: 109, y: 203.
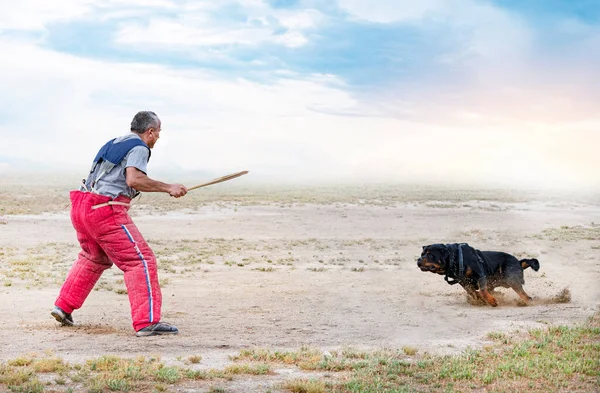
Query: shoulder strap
x: 113, y: 153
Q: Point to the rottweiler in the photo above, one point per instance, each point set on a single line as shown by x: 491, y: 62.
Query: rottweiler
x: 474, y: 269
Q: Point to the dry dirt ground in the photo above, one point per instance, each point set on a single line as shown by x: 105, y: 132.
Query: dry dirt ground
x: 318, y: 275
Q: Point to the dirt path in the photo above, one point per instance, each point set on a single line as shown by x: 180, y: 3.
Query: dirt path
x: 318, y: 275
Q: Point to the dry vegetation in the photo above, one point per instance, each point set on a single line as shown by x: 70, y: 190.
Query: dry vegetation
x: 555, y: 359
x: 48, y: 263
x: 22, y: 195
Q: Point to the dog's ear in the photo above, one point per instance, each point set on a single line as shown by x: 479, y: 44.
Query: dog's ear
x: 424, y: 247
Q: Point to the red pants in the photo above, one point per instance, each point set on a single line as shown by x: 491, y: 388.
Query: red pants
x: 108, y: 235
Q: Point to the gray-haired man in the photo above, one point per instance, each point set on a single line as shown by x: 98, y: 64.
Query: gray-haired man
x: 108, y: 235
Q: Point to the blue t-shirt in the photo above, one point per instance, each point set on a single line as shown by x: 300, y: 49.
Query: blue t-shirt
x: 113, y: 183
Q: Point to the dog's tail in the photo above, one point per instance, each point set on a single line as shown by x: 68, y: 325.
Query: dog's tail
x: 532, y: 263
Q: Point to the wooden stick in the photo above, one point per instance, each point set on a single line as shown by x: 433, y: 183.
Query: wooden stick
x: 218, y: 180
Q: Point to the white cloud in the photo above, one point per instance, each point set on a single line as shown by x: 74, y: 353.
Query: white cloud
x: 72, y: 104
x: 299, y: 19
x: 500, y: 73
x: 191, y: 25
x: 501, y: 128
x: 138, y: 3
x: 196, y: 27
x: 291, y: 40
x: 36, y: 14
x: 387, y: 11
x: 62, y: 108
x: 487, y: 31
x: 183, y: 34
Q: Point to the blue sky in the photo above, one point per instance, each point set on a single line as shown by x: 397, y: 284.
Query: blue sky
x: 501, y: 92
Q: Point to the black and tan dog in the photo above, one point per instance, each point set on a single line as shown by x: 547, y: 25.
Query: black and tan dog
x: 478, y: 272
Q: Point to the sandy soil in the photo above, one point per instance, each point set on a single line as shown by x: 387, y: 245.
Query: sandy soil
x: 340, y: 275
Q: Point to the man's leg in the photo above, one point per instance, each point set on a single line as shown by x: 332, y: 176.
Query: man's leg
x: 82, y: 277
x: 88, y: 267
x: 129, y: 251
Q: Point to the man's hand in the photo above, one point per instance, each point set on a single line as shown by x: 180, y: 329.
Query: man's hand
x: 177, y: 190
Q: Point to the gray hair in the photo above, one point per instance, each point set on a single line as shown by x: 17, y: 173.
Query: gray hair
x: 144, y: 120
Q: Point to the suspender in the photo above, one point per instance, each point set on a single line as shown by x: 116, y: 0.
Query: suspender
x: 110, y: 155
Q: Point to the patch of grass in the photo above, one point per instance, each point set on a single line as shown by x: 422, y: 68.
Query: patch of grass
x: 410, y: 351
x: 573, y: 233
x: 105, y: 285
x: 351, y: 353
x: 11, y: 377
x: 32, y: 386
x: 544, y: 361
x: 265, y: 269
x: 306, y: 386
x: 559, y: 358
x: 118, y: 385
x: 316, y: 269
x: 285, y: 357
x: 310, y: 359
x: 168, y: 375
x: 20, y: 362
x: 49, y: 365
x: 249, y: 369
x: 113, y: 374
x: 500, y: 337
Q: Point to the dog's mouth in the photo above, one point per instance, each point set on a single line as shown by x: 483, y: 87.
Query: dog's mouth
x: 430, y: 267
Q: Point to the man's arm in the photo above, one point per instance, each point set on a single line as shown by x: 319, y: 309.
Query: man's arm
x: 139, y: 181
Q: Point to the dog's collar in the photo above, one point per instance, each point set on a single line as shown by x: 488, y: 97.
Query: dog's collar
x: 461, y: 266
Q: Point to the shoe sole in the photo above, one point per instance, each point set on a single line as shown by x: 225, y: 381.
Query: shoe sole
x: 153, y: 333
x: 63, y: 321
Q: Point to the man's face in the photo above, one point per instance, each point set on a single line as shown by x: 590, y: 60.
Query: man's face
x: 154, y: 135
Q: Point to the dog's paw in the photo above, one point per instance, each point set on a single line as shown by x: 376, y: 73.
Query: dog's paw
x: 491, y: 300
x: 476, y: 301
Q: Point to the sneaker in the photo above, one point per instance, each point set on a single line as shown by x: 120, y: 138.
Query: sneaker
x: 157, y: 328
x: 62, y: 317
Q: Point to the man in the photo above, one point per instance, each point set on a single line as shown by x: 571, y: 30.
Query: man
x: 108, y: 235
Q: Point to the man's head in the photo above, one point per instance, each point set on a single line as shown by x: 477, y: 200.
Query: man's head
x: 147, y: 125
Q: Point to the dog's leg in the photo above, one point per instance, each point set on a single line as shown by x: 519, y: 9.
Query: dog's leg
x: 518, y: 288
x: 475, y: 297
x: 471, y: 290
x: 489, y: 298
x: 485, y: 294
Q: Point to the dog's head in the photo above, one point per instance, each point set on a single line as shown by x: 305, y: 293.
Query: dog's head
x: 434, y: 259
